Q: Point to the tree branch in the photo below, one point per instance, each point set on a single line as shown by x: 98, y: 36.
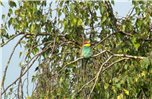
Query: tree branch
x: 19, y: 76
x: 6, y: 67
x: 97, y: 75
x: 32, y: 62
x: 80, y: 59
x: 114, y: 63
x: 128, y: 56
x: 1, y: 45
x: 20, y: 85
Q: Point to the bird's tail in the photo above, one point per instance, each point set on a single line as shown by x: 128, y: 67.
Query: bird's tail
x: 84, y: 69
x: 84, y: 74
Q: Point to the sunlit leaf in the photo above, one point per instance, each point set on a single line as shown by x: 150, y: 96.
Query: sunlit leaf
x: 126, y: 91
x: 120, y: 96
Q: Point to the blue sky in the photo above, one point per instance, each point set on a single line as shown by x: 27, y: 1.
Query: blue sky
x: 13, y: 71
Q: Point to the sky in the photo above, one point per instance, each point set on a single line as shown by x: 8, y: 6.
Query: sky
x: 121, y: 6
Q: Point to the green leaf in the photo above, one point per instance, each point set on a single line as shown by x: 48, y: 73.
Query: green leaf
x: 79, y: 22
x: 126, y: 67
x: 133, y: 39
x: 103, y: 19
x: 1, y: 3
x: 61, y: 80
x: 3, y: 16
x: 126, y: 91
x: 65, y: 23
x: 136, y: 45
x: 32, y: 29
x: 10, y: 11
x: 120, y: 96
x: 123, y: 27
x: 34, y: 78
x: 112, y: 1
x: 139, y: 23
x: 20, y: 54
x: 74, y: 21
x: 137, y: 10
x: 12, y: 3
x: 118, y: 85
x: 145, y: 62
x: 10, y: 22
x: 106, y: 85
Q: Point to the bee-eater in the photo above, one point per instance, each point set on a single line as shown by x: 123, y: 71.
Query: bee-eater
x: 86, y: 53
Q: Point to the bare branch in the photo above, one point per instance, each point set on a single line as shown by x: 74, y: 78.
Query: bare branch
x: 128, y: 56
x: 1, y: 45
x: 32, y: 62
x: 79, y: 59
x: 6, y: 67
x: 86, y: 84
x: 19, y: 76
x: 102, y: 72
x: 114, y: 63
x: 97, y: 76
x: 20, y: 85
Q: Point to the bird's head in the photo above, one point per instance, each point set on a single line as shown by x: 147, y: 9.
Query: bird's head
x: 86, y: 43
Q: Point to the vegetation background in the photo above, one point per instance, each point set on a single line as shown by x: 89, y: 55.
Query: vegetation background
x: 52, y: 33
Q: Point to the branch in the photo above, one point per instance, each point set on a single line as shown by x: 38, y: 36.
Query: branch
x: 19, y: 77
x: 20, y: 86
x: 150, y: 39
x: 104, y: 39
x: 70, y: 63
x: 97, y: 76
x: 80, y: 59
x: 32, y: 62
x: 128, y: 56
x: 27, y: 86
x: 1, y: 45
x: 6, y: 67
x: 114, y: 63
x: 130, y: 12
x: 27, y: 34
x: 102, y: 72
x: 116, y: 55
x: 86, y: 84
x: 29, y: 51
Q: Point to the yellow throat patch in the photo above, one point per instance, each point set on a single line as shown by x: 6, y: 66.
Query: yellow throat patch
x: 87, y: 45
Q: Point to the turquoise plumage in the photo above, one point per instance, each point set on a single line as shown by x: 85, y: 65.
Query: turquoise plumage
x: 86, y: 52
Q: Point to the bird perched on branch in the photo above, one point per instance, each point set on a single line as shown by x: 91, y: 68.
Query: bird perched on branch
x: 86, y: 53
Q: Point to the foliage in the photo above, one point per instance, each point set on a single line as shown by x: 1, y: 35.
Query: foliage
x: 52, y: 33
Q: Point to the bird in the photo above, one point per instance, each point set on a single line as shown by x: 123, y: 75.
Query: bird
x: 86, y: 53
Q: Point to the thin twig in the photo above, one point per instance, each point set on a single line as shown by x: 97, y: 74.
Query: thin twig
x: 70, y: 63
x: 102, y: 72
x: 86, y: 84
x: 104, y: 39
x: 1, y: 45
x: 27, y: 84
x: 107, y: 67
x: 97, y: 76
x: 20, y: 85
x: 128, y: 56
x: 6, y: 67
x: 32, y: 62
x: 80, y: 59
x: 130, y: 12
x: 19, y: 76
